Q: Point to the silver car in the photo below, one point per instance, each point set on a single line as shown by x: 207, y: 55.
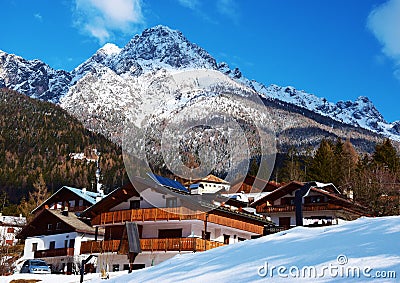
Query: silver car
x: 36, y: 266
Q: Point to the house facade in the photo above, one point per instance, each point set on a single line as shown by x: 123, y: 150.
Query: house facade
x: 56, y: 236
x: 167, y: 224
x: 321, y: 204
x: 56, y: 232
x: 10, y: 226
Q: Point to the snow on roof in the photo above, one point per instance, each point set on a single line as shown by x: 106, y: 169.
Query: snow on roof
x: 12, y: 220
x: 84, y: 194
x: 87, y: 195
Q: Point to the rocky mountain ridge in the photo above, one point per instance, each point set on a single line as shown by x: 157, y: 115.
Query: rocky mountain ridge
x: 110, y: 87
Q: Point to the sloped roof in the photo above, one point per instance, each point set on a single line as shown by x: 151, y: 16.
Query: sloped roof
x: 12, y: 221
x: 251, y: 184
x: 40, y: 220
x: 114, y: 198
x: 169, y: 183
x: 279, y: 192
x: 84, y: 194
x: 87, y: 195
x: 213, y: 179
x: 73, y: 221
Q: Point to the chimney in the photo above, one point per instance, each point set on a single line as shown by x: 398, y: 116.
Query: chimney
x: 65, y: 211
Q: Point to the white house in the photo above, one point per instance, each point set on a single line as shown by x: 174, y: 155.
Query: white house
x: 9, y: 227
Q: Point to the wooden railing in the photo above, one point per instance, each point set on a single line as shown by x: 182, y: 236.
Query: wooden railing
x: 306, y: 207
x: 54, y: 252
x: 152, y: 245
x: 176, y: 213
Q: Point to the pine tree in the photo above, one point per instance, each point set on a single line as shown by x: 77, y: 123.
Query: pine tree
x: 37, y: 197
x: 292, y: 169
x: 385, y: 154
x: 322, y: 164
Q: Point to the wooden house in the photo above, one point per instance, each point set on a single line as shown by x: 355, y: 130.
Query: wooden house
x: 168, y: 224
x: 56, y: 236
x: 320, y: 204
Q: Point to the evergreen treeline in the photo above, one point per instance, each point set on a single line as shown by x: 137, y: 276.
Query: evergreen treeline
x: 36, y: 139
x: 372, y: 179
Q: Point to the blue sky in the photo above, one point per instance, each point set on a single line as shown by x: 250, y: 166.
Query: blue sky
x: 335, y: 49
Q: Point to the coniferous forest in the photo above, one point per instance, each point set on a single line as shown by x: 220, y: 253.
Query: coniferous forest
x: 36, y: 141
x: 370, y: 179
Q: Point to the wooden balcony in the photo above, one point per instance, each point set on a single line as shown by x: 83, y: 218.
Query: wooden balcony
x: 291, y: 208
x: 152, y: 245
x: 54, y: 252
x: 175, y: 213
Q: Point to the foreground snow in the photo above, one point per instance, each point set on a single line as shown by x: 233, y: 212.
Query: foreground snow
x: 359, y: 250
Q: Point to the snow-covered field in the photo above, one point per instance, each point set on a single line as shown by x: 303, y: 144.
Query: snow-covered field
x: 361, y: 250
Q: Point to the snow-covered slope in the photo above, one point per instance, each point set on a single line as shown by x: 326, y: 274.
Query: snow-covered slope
x: 369, y: 245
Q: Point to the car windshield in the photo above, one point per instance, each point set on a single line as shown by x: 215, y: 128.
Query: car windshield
x: 38, y: 263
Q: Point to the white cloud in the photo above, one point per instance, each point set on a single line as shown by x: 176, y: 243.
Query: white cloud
x: 103, y: 18
x: 38, y: 16
x: 384, y: 23
x: 228, y: 8
x: 191, y: 4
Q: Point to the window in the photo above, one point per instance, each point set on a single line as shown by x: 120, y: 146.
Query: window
x: 314, y: 199
x: 226, y: 239
x: 172, y: 202
x: 115, y: 267
x: 284, y: 222
x: 49, y: 227
x: 169, y: 233
x: 134, y: 204
x: 58, y: 226
x: 10, y: 230
x: 287, y: 201
x: 71, y: 203
x: 66, y: 244
x: 72, y: 243
x: 81, y: 202
x: 34, y: 247
x: 52, y: 245
x: 240, y: 239
x: 126, y: 267
x: 208, y: 235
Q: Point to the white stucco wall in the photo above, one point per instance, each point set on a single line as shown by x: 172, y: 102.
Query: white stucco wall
x: 43, y: 242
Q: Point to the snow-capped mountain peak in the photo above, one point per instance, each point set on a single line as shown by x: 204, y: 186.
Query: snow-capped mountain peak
x: 110, y: 49
x: 162, y: 48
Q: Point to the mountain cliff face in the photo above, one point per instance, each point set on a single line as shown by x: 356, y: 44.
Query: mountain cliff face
x: 118, y: 85
x: 33, y: 78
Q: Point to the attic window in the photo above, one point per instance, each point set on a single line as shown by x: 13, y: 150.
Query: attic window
x: 49, y: 227
x: 58, y: 226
